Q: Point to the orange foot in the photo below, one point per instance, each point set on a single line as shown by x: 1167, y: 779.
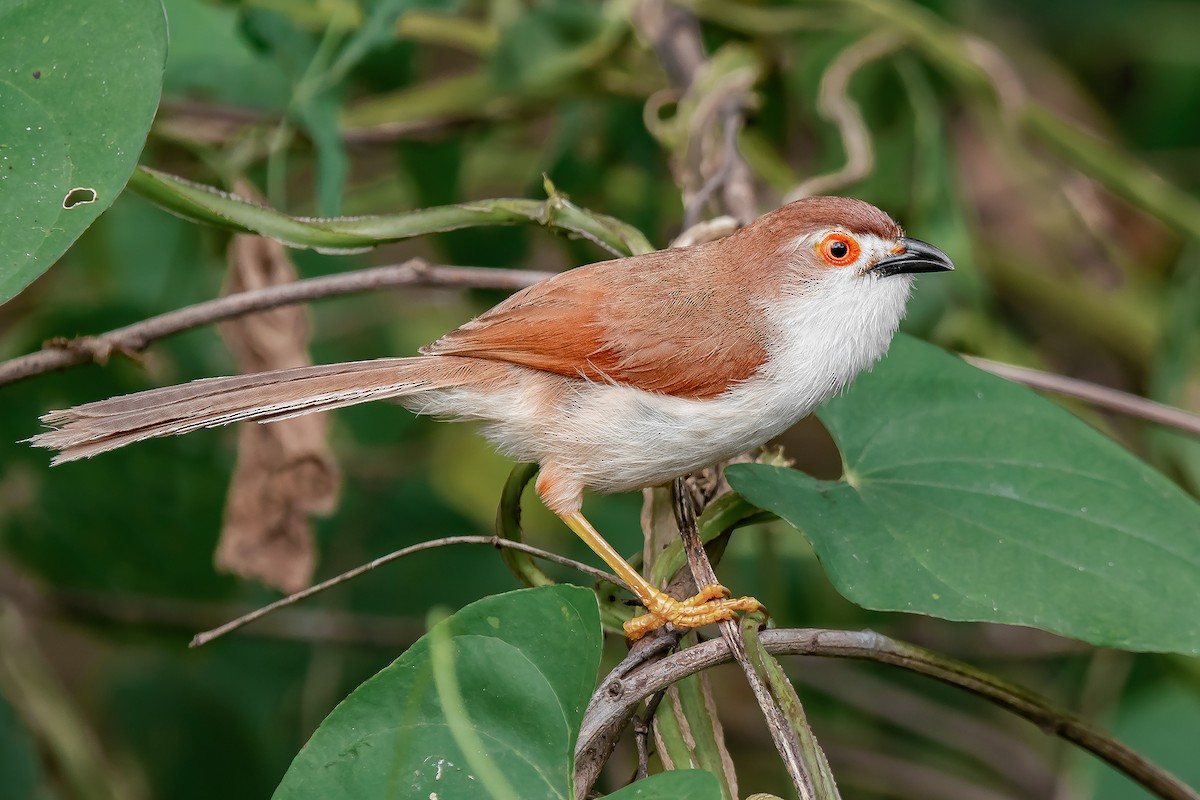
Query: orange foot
x: 711, y: 604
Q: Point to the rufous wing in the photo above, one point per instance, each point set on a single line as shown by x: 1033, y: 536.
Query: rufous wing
x: 683, y: 322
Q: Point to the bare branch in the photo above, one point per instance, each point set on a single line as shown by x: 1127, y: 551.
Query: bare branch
x: 136, y: 337
x: 618, y: 696
x: 495, y: 541
x: 591, y: 756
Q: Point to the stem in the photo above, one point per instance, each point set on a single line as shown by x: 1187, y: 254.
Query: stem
x: 508, y: 526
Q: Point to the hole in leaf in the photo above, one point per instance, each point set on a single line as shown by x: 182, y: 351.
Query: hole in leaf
x: 80, y: 195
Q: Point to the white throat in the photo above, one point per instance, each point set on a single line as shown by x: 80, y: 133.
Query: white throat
x: 827, y: 334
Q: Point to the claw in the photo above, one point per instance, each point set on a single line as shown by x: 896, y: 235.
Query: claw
x: 712, y: 603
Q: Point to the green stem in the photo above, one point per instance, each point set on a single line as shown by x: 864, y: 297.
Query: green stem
x: 508, y: 526
x: 772, y: 673
x: 727, y: 512
x: 206, y: 204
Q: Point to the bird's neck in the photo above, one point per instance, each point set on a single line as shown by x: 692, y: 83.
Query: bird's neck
x: 827, y: 334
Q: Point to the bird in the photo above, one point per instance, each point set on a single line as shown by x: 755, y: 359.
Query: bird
x: 614, y: 376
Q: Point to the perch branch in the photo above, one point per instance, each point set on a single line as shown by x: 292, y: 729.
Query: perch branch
x: 618, y: 696
x: 590, y: 759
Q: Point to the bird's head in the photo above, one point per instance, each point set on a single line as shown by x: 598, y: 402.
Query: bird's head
x: 846, y: 242
x: 833, y: 275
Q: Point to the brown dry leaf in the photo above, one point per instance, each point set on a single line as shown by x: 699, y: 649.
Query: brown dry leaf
x: 285, y: 472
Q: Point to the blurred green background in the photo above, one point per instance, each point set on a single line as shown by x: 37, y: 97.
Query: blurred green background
x: 106, y: 566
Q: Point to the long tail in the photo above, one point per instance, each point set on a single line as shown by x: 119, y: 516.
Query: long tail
x: 93, y: 428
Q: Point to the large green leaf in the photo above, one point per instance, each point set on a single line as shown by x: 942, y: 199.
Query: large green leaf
x: 488, y: 703
x: 970, y: 498
x: 79, y: 84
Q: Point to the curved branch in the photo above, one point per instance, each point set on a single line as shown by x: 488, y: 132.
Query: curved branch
x: 495, y: 541
x: 136, y: 337
x: 618, y: 696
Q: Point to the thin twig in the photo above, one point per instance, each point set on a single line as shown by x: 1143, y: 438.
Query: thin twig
x: 1092, y: 393
x: 136, y: 337
x: 786, y: 741
x: 618, y: 697
x: 495, y: 541
x: 641, y: 734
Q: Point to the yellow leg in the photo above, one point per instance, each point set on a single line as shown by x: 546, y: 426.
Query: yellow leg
x: 710, y: 604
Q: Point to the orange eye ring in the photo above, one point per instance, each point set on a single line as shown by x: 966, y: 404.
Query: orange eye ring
x: 839, y: 249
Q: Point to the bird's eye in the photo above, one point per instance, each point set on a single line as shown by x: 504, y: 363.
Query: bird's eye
x: 839, y: 249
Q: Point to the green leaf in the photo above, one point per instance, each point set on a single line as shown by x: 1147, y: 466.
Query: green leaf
x: 488, y: 703
x: 970, y: 498
x: 79, y: 84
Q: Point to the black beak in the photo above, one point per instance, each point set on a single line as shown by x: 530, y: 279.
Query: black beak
x: 917, y: 256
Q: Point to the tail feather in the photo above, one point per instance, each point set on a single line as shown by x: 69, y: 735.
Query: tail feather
x: 86, y: 430
x: 157, y: 398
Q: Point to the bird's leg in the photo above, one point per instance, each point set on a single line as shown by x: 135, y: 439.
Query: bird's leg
x: 711, y: 604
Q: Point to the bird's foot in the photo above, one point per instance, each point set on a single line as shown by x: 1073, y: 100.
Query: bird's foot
x: 713, y: 603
